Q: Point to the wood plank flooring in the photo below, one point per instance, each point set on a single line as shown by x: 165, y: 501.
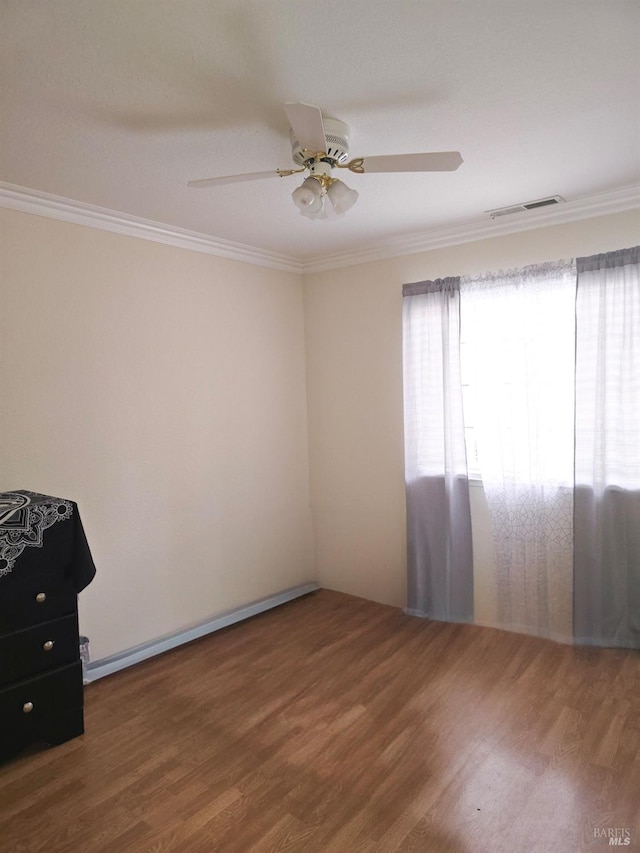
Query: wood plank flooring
x: 336, y: 725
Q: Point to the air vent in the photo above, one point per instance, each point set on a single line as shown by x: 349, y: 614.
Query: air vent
x: 522, y: 208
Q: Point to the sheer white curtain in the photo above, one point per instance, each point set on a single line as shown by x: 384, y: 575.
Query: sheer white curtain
x: 607, y: 472
x: 550, y: 357
x: 518, y: 328
x: 439, y: 549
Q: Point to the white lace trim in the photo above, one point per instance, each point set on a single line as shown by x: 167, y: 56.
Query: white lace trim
x: 23, y: 520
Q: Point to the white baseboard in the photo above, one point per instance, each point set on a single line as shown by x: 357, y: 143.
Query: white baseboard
x: 106, y: 666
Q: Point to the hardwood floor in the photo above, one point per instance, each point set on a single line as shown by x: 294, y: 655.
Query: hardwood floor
x: 336, y: 725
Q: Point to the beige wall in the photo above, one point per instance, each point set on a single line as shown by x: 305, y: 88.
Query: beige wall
x: 164, y: 391
x: 354, y: 381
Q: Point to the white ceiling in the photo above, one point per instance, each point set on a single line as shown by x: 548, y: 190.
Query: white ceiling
x: 118, y: 103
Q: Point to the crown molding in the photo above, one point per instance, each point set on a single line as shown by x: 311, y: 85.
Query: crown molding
x: 55, y: 207
x: 616, y: 201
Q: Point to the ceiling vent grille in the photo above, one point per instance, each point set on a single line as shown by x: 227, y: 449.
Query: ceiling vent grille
x: 522, y: 208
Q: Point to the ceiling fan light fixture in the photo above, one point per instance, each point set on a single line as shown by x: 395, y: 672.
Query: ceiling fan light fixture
x: 308, y: 196
x: 341, y: 196
x: 319, y: 145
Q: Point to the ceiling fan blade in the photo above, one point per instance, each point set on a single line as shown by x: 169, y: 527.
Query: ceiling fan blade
x: 306, y: 122
x: 436, y: 161
x: 234, y: 179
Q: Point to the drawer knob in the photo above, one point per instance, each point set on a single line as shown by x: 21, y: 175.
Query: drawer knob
x: 41, y: 597
x: 48, y: 645
x: 27, y: 707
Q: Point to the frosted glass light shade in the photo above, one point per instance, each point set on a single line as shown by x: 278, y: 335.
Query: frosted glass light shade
x: 320, y: 213
x: 341, y: 196
x: 308, y: 196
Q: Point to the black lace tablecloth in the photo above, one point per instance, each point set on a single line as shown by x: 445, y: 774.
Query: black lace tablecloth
x: 41, y: 531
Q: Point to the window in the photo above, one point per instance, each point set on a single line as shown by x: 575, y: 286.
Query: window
x: 517, y: 365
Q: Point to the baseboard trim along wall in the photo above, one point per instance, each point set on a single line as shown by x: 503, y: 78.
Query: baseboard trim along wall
x: 122, y: 660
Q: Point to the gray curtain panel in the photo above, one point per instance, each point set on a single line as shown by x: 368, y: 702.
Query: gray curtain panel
x: 440, y: 556
x: 606, y: 590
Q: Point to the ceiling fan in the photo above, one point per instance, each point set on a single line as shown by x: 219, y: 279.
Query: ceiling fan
x: 320, y: 145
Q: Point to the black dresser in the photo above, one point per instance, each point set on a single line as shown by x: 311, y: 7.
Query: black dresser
x: 45, y: 562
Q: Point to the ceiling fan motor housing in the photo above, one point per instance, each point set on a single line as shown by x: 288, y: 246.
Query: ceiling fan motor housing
x: 336, y: 134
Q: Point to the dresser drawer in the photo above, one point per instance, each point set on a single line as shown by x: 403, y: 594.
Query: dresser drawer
x: 33, y: 706
x: 38, y: 649
x: 35, y: 600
